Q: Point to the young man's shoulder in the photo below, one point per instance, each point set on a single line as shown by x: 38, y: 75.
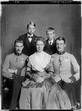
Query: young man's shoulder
x: 22, y: 36
x: 25, y: 56
x: 68, y: 54
x: 35, y: 36
x: 46, y: 40
x: 10, y: 55
x: 53, y: 56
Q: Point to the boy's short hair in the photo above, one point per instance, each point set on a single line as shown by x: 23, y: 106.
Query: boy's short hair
x: 50, y: 29
x: 18, y: 41
x: 31, y: 23
x: 61, y: 38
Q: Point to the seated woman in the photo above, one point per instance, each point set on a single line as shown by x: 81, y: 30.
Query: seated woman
x: 39, y: 91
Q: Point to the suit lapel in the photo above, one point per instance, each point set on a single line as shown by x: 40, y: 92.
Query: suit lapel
x: 27, y: 41
x: 53, y: 42
x: 33, y: 39
x: 48, y: 45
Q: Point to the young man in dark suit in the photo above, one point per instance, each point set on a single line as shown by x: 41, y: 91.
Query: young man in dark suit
x: 29, y: 39
x: 50, y: 46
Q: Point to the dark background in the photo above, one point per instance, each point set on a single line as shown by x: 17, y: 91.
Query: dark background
x: 65, y: 18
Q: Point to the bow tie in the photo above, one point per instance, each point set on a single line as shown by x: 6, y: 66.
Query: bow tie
x: 29, y: 36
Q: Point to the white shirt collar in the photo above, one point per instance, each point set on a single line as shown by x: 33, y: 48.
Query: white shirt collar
x: 51, y: 40
x: 30, y: 35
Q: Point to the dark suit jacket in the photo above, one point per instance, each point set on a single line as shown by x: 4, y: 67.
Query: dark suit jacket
x: 50, y: 49
x: 29, y: 47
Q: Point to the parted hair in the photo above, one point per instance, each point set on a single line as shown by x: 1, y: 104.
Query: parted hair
x: 40, y: 39
x: 50, y: 29
x: 31, y: 23
x: 18, y: 41
x: 61, y: 38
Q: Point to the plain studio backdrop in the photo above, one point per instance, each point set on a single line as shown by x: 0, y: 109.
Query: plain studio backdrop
x: 65, y: 18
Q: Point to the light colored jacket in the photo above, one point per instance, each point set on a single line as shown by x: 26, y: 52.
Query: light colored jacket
x: 13, y: 63
x: 63, y: 65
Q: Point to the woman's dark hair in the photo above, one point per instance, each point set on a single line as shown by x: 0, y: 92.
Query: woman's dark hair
x: 40, y: 39
x: 61, y: 38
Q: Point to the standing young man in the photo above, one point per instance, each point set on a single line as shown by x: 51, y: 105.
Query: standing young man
x: 29, y: 39
x: 50, y: 46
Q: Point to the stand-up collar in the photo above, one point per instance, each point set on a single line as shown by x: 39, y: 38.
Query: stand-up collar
x: 18, y: 54
x: 60, y: 53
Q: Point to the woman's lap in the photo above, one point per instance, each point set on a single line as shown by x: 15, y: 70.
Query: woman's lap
x: 29, y: 96
x: 52, y: 99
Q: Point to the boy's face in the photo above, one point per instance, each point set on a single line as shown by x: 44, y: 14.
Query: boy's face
x: 31, y: 29
x: 60, y: 45
x: 19, y: 47
x: 50, y: 34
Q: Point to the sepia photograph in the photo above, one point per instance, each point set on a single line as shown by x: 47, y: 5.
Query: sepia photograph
x: 40, y: 55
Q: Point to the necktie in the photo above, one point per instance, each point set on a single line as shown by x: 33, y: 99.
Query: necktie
x: 50, y: 43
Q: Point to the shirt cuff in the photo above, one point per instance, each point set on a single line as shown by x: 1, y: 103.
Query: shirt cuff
x: 73, y: 79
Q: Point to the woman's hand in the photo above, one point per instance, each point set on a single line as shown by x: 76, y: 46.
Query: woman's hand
x: 57, y: 78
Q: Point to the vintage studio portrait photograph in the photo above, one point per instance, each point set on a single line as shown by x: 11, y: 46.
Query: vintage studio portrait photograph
x: 41, y: 56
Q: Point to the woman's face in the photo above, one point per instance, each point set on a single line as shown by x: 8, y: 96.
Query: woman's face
x: 39, y: 46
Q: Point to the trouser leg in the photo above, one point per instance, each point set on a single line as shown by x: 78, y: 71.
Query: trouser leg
x: 7, y: 94
x: 69, y: 88
x: 16, y: 89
